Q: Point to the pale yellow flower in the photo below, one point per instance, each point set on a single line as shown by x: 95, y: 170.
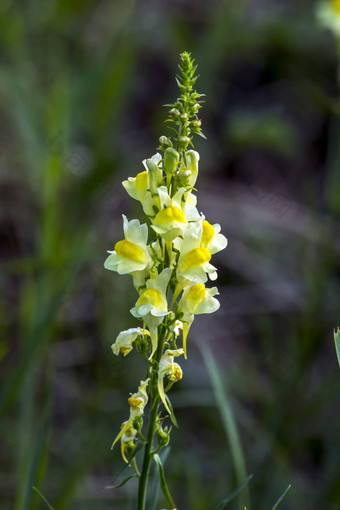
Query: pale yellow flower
x: 137, y: 402
x: 171, y: 370
x: 131, y: 254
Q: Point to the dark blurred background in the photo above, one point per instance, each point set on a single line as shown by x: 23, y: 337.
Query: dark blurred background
x: 82, y: 87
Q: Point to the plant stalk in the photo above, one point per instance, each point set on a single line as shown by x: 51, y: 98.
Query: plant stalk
x: 143, y: 480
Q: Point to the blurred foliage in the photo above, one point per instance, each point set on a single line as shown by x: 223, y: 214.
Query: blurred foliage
x: 81, y: 87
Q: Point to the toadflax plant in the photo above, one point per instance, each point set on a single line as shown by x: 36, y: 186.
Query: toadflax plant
x: 168, y: 257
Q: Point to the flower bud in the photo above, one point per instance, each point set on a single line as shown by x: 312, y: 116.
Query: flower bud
x: 184, y: 139
x: 165, y: 142
x: 171, y: 159
x: 174, y: 112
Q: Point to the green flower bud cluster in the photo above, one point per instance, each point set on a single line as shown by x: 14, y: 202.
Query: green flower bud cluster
x: 183, y: 112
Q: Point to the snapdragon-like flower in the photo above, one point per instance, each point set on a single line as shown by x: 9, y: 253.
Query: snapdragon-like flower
x: 193, y: 264
x: 125, y: 339
x: 137, y: 402
x: 145, y: 184
x: 170, y: 220
x: 131, y: 254
x: 196, y: 300
x: 127, y: 440
x: 171, y: 370
x: 152, y: 304
x: 211, y: 237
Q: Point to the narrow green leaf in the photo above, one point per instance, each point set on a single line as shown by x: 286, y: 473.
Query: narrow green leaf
x: 281, y: 498
x: 139, y: 446
x: 234, y: 493
x: 43, y: 498
x: 172, y: 414
x: 123, y: 482
x: 164, y: 486
x: 228, y: 421
x: 337, y: 344
x: 156, y: 480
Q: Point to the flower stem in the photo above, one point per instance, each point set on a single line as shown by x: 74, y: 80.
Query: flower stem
x: 143, y: 480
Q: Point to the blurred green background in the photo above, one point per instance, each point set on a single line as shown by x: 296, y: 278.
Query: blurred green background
x: 82, y: 84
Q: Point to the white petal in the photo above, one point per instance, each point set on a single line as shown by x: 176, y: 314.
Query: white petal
x: 130, y: 187
x: 127, y: 266
x: 112, y: 262
x: 164, y: 196
x: 208, y: 305
x: 218, y: 243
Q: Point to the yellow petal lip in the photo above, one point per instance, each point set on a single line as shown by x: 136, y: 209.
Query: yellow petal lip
x: 207, y: 233
x: 152, y: 296
x: 136, y: 401
x: 142, y: 181
x: 170, y: 214
x: 131, y: 251
x: 195, y: 257
x: 196, y: 293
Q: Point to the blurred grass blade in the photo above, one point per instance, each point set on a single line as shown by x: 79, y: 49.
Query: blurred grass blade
x: 281, y: 498
x: 43, y: 498
x: 35, y: 454
x: 231, y: 496
x: 228, y: 421
x: 337, y: 344
x: 164, y: 486
x: 156, y: 481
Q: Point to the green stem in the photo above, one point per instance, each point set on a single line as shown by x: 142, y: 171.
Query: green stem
x: 143, y: 480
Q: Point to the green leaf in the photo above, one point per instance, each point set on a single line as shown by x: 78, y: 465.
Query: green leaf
x: 172, y: 414
x: 233, y: 494
x: 337, y: 344
x: 139, y: 446
x: 43, y: 498
x: 156, y: 480
x: 281, y: 498
x: 228, y: 421
x: 164, y: 486
x: 123, y: 482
